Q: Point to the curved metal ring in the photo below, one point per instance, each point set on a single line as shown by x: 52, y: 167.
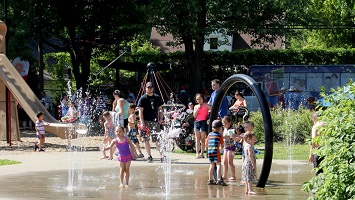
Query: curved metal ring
x: 265, y: 171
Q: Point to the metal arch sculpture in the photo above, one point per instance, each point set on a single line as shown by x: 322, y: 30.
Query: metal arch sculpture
x: 265, y: 171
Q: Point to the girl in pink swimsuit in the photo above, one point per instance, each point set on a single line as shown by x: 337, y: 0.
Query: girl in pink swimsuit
x: 123, y: 145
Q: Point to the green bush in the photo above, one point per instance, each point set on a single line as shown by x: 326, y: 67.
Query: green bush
x: 337, y: 141
x: 289, y: 126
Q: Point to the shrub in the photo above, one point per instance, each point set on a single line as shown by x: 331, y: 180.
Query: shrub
x: 289, y: 126
x: 337, y: 141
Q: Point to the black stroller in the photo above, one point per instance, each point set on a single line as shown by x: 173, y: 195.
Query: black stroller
x: 241, y: 115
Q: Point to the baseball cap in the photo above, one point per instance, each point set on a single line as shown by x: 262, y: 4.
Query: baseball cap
x: 217, y: 123
x: 149, y: 84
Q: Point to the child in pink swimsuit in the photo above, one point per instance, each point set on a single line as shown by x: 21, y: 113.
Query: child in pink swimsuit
x: 123, y: 145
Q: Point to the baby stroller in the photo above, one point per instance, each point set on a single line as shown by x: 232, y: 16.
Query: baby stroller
x: 241, y: 115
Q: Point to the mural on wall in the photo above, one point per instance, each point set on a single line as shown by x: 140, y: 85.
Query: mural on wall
x: 22, y: 66
x: 307, y: 79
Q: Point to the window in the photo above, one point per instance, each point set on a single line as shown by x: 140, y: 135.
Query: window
x: 214, y: 43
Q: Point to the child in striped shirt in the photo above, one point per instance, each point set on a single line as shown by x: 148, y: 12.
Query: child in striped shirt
x: 40, y: 131
x: 214, y: 144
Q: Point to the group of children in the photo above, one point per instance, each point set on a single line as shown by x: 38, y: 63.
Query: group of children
x: 225, y: 136
x: 132, y: 134
x: 126, y: 144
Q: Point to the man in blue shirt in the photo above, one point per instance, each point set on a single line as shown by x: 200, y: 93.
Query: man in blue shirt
x: 223, y: 110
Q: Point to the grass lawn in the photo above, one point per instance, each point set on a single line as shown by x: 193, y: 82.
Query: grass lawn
x: 281, y: 152
x: 8, y: 162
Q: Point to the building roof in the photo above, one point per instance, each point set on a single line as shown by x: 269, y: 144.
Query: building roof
x: 161, y: 41
x: 240, y: 41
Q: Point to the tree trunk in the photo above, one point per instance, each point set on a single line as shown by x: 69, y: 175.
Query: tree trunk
x: 40, y: 63
x: 200, y: 40
x: 80, y: 57
x: 192, y: 66
x: 195, y: 57
x: 81, y: 67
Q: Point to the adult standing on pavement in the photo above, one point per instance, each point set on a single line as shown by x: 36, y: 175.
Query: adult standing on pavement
x: 121, y: 107
x: 150, y: 115
x: 200, y: 125
x: 223, y: 110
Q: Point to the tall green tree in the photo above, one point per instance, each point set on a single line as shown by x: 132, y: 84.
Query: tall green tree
x: 79, y: 26
x: 332, y: 25
x: 190, y: 21
x: 102, y: 24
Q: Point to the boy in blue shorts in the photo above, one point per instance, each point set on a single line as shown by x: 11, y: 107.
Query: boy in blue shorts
x: 132, y: 129
x: 214, y: 145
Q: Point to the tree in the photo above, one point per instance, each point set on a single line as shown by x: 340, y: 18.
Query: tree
x: 332, y: 25
x: 190, y: 21
x: 79, y: 26
x: 101, y: 24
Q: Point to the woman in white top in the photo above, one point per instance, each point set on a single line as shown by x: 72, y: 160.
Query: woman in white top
x: 121, y: 107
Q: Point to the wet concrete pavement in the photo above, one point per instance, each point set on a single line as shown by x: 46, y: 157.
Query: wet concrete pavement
x: 82, y: 175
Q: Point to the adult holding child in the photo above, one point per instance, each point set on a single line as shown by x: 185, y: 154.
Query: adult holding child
x: 200, y: 125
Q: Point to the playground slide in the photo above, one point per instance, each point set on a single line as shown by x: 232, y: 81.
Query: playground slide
x: 31, y: 104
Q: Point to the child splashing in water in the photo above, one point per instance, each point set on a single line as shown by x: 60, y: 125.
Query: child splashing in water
x: 249, y: 164
x: 122, y: 143
x: 109, y: 134
x: 229, y: 137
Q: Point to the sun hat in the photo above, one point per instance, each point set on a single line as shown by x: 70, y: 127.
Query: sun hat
x: 292, y: 89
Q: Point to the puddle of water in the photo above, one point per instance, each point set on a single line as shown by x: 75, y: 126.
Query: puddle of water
x: 148, y: 182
